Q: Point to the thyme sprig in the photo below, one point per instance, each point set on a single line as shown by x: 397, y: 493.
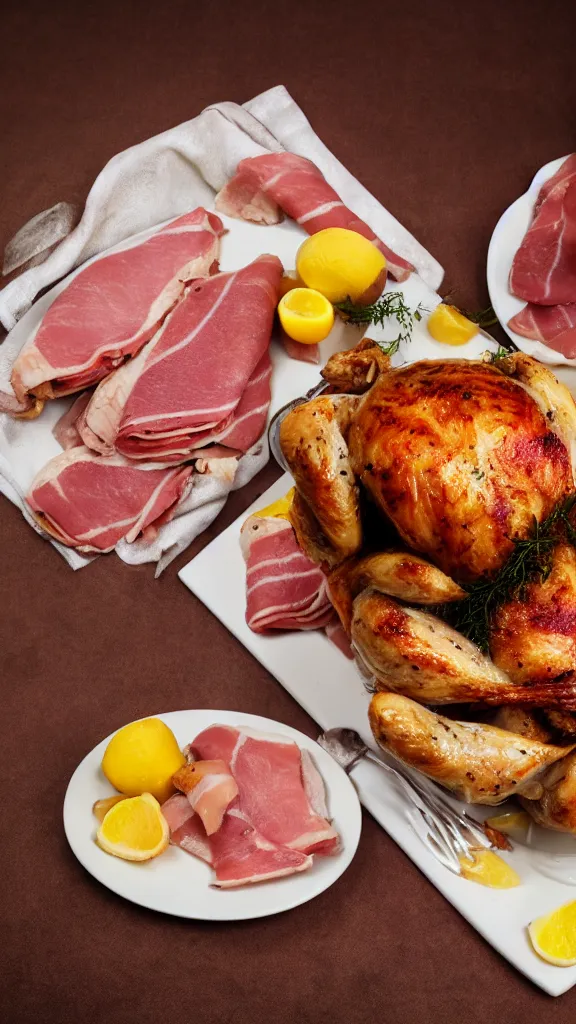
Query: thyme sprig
x: 530, y: 560
x: 390, y: 306
x: 483, y: 317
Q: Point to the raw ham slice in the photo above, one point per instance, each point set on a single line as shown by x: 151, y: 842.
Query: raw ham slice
x: 66, y: 429
x: 203, y: 379
x: 90, y: 503
x: 271, y: 779
x: 554, y: 326
x: 263, y: 184
x: 284, y: 589
x: 210, y: 789
x: 186, y: 828
x: 544, y: 268
x: 113, y: 306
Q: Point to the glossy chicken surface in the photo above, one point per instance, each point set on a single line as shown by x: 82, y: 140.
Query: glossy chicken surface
x: 556, y: 806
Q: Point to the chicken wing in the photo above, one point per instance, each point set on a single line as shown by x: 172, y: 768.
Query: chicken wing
x: 396, y: 573
x: 480, y: 763
x: 417, y: 654
x: 556, y: 807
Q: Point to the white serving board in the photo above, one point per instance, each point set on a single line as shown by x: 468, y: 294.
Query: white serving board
x: 330, y: 689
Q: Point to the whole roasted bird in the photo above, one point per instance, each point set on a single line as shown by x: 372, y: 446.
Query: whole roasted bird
x: 412, y: 485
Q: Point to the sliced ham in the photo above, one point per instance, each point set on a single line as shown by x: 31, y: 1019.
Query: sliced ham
x: 66, y: 429
x: 90, y: 503
x: 186, y: 828
x: 241, y: 855
x: 277, y: 791
x: 203, y: 379
x: 113, y: 306
x: 284, y: 589
x: 544, y: 268
x: 210, y: 789
x: 554, y: 326
x: 263, y: 186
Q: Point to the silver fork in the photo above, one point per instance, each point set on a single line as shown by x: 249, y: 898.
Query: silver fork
x: 446, y: 833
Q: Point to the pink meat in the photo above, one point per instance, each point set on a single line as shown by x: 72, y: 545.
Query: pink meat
x: 284, y: 589
x: 544, y: 268
x: 554, y: 326
x: 204, y: 378
x: 271, y: 782
x: 241, y: 855
x: 66, y: 429
x: 90, y: 502
x: 112, y: 307
x: 293, y: 183
x: 186, y: 828
x: 303, y: 353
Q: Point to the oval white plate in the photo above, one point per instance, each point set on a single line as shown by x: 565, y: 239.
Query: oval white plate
x: 504, y: 244
x: 178, y: 883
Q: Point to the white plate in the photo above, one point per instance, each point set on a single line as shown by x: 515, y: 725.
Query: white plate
x: 329, y: 687
x: 178, y: 883
x: 504, y: 244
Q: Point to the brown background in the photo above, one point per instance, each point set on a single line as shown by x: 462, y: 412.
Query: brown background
x: 444, y: 110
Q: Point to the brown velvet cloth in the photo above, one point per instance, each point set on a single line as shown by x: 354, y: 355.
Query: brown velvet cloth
x: 444, y: 111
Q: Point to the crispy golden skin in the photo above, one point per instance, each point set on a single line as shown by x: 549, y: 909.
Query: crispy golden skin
x: 524, y: 721
x: 355, y: 370
x: 310, y: 536
x: 460, y: 458
x: 396, y: 573
x: 534, y: 640
x: 556, y: 808
x: 480, y: 763
x: 417, y: 654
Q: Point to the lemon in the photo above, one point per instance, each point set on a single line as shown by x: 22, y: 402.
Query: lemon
x: 134, y: 829
x: 289, y: 281
x: 340, y: 264
x: 142, y: 758
x: 488, y: 868
x: 306, y: 315
x: 101, y: 807
x: 554, y: 935
x: 448, y: 325
x: 278, y: 509
x: 510, y: 823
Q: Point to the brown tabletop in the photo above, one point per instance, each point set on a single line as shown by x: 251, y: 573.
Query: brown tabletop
x: 444, y: 111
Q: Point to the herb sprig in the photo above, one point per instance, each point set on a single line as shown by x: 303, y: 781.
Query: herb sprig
x: 484, y: 317
x: 389, y: 306
x: 530, y: 560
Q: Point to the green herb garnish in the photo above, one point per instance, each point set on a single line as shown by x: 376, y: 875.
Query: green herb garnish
x: 484, y: 317
x: 530, y: 560
x: 389, y: 306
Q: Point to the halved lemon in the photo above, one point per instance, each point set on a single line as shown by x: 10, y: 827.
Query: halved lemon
x: 306, y: 315
x: 489, y: 869
x: 101, y: 807
x: 341, y: 264
x: 134, y: 829
x: 448, y: 325
x: 278, y: 509
x: 554, y: 935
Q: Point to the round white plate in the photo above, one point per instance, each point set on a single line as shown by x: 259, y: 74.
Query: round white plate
x: 504, y: 244
x: 180, y: 884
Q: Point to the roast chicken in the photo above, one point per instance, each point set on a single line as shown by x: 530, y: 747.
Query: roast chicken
x: 411, y: 486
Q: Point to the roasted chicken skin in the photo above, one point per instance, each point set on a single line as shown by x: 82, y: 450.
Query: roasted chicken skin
x: 556, y: 807
x: 409, y: 651
x: 480, y: 763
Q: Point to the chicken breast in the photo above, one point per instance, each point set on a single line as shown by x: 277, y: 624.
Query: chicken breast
x: 417, y: 654
x: 461, y: 459
x: 479, y: 763
x: 556, y: 808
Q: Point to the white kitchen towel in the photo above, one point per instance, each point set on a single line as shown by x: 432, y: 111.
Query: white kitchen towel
x: 143, y: 186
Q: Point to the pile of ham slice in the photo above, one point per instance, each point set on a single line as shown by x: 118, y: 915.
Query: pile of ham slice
x: 256, y: 809
x: 544, y: 268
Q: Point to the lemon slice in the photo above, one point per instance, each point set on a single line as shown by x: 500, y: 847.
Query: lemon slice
x: 510, y: 823
x: 489, y: 869
x: 448, y: 325
x: 142, y: 758
x: 101, y: 807
x: 554, y: 935
x: 341, y: 264
x: 306, y: 315
x: 134, y: 829
x: 278, y: 509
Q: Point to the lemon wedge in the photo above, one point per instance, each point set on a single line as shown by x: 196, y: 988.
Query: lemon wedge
x: 489, y: 869
x: 101, y: 807
x: 306, y: 315
x: 134, y: 829
x: 448, y: 325
x: 341, y: 264
x: 554, y: 935
x: 142, y: 758
x: 278, y: 509
x: 510, y: 823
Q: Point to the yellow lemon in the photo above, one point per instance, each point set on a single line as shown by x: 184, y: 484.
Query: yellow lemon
x: 278, y: 509
x: 306, y: 315
x: 488, y: 868
x: 448, y: 325
x: 101, y: 807
x: 510, y: 823
x: 340, y: 264
x: 134, y: 829
x: 142, y: 758
x: 554, y: 935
